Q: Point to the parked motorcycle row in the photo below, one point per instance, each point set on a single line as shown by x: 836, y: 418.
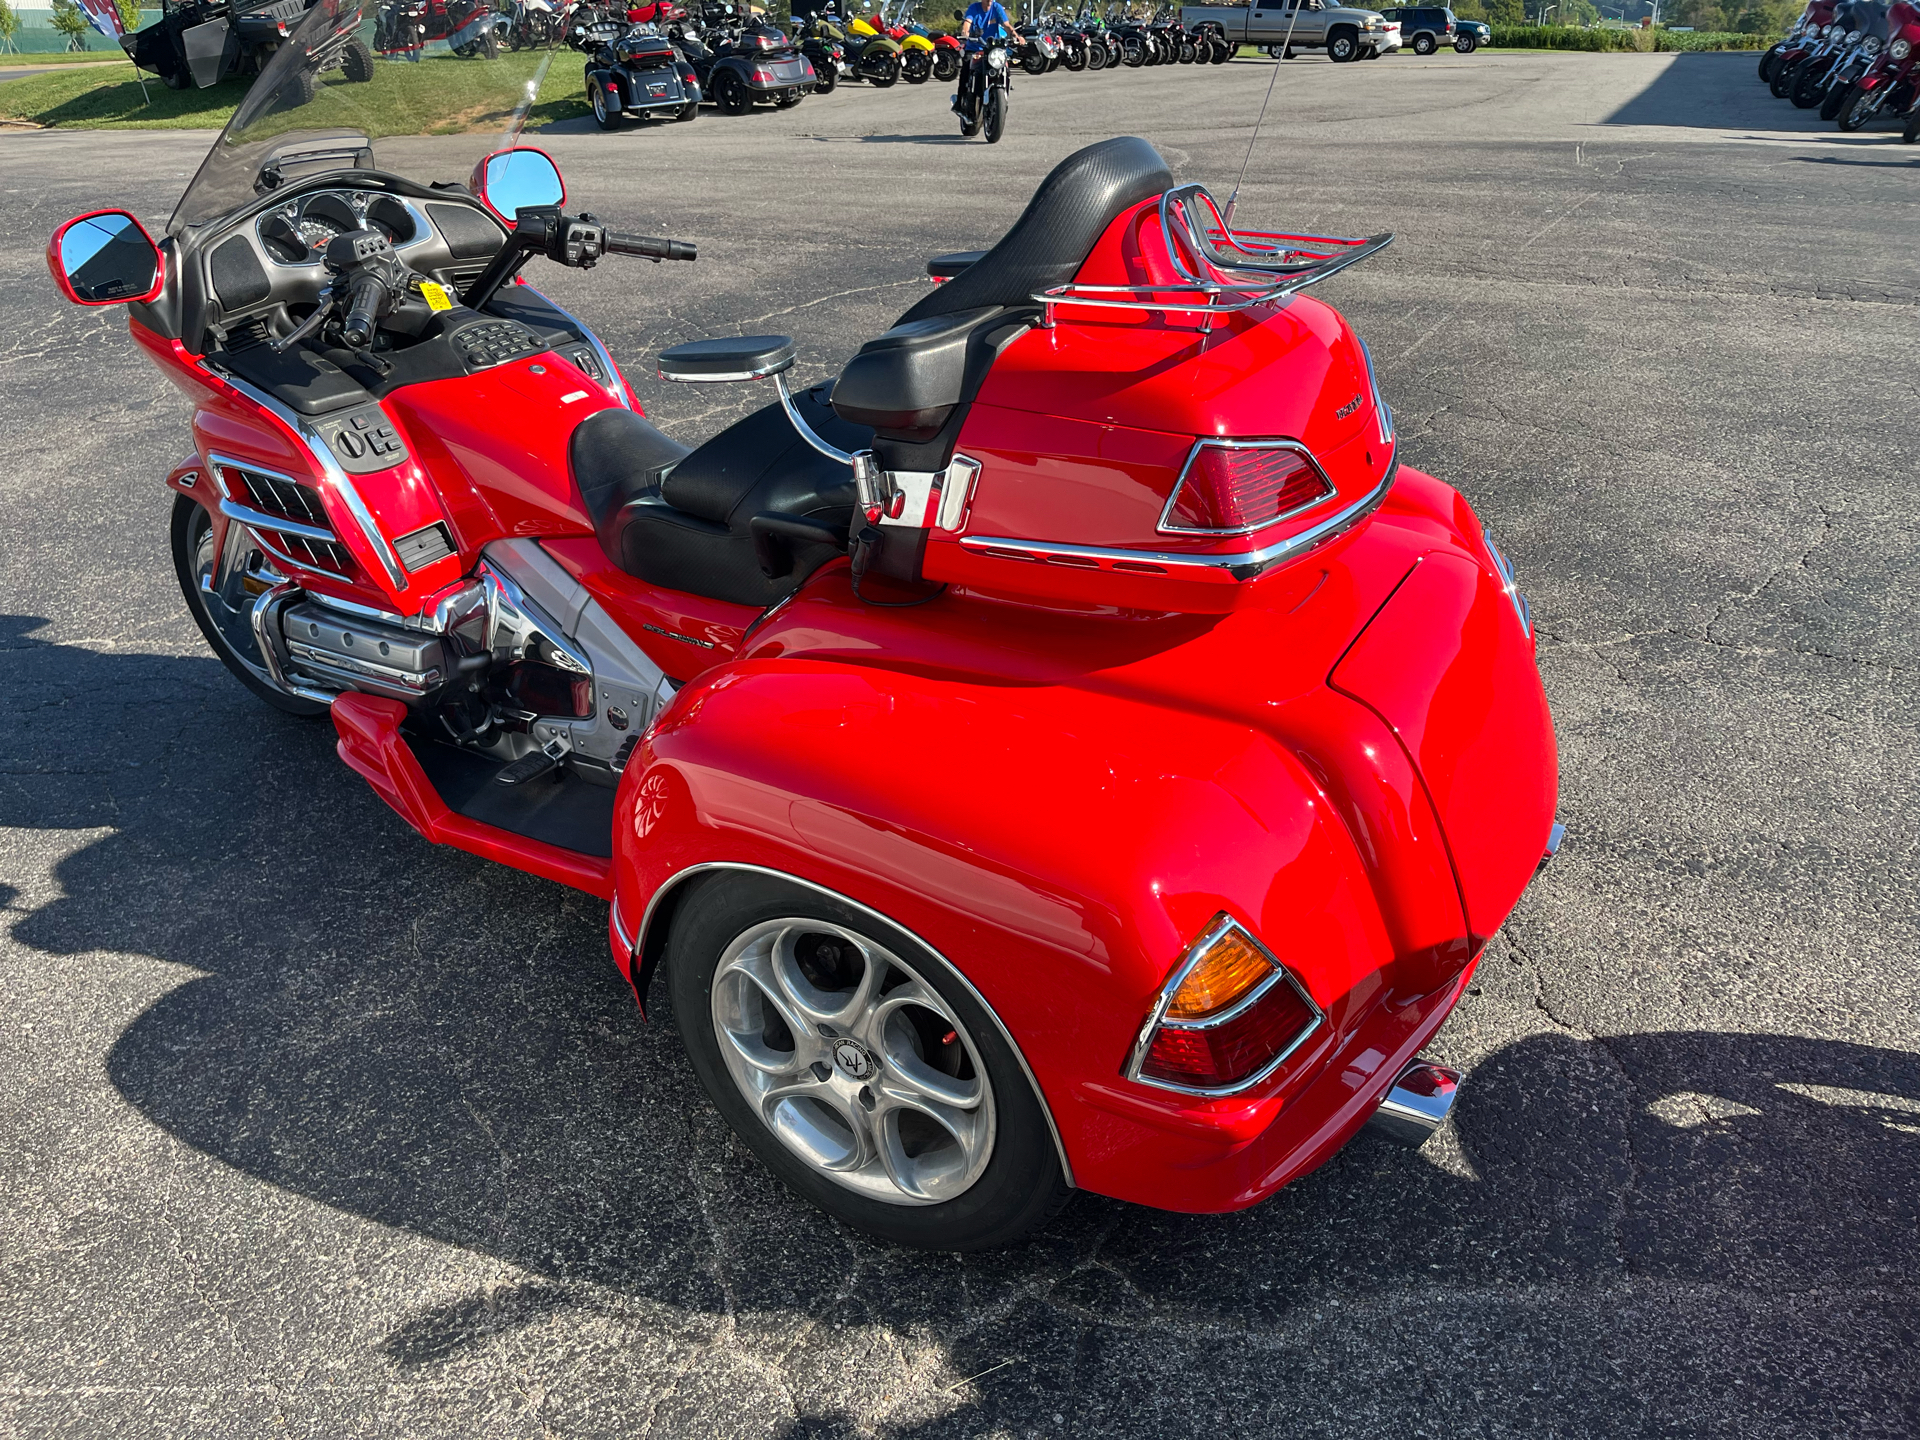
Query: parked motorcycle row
x: 1855, y: 60
x: 663, y: 60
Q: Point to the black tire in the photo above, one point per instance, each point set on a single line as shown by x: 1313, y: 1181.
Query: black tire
x: 946, y: 65
x: 1133, y: 54
x: 1424, y: 45
x: 176, y: 80
x: 1020, y: 1186
x: 731, y: 94
x: 603, y: 116
x: 1833, y: 100
x: 1074, y: 59
x: 1856, y: 108
x: 917, y: 71
x: 1343, y: 46
x: 1222, y: 51
x: 1466, y: 44
x: 686, y: 112
x: 969, y: 126
x: 356, y: 60
x: 886, y: 74
x: 192, y: 530
x: 1768, y: 59
x: 824, y: 79
x: 1187, y: 52
x: 1911, y: 130
x: 993, y: 124
x: 1096, y: 55
x: 1783, y: 80
x: 1809, y: 89
x: 1033, y: 62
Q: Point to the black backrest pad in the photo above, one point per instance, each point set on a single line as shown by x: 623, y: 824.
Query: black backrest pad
x: 909, y: 379
x: 1072, y: 208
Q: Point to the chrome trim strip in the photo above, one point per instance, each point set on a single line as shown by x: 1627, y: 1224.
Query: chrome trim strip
x: 1243, y: 565
x: 1277, y: 443
x: 329, y: 469
x: 615, y: 386
x: 806, y: 430
x: 256, y: 520
x: 1382, y: 411
x: 1156, y: 1017
x: 673, y: 881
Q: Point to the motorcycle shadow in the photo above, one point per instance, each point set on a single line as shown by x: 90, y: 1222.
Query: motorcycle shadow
x: 421, y: 1039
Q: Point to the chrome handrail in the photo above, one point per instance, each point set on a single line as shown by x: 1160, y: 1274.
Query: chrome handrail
x: 1258, y: 269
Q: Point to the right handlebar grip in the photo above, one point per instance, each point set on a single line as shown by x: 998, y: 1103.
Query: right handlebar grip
x: 651, y: 248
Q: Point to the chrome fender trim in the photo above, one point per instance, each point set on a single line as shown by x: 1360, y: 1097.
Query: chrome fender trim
x: 674, y: 881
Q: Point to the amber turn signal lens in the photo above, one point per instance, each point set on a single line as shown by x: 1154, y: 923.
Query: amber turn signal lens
x: 1226, y: 972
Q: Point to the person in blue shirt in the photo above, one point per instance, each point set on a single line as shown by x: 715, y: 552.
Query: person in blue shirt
x: 982, y: 22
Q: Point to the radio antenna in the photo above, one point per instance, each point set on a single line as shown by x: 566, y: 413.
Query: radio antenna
x: 1293, y: 17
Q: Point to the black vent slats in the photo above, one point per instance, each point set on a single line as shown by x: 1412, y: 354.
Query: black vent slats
x: 423, y: 547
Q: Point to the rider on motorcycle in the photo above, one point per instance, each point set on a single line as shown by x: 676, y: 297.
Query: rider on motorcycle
x: 980, y: 26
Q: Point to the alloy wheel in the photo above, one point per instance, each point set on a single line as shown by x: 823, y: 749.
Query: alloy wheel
x: 853, y: 1062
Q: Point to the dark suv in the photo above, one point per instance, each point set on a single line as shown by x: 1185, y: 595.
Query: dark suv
x: 1422, y: 29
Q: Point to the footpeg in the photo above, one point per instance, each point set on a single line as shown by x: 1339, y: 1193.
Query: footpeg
x: 540, y: 762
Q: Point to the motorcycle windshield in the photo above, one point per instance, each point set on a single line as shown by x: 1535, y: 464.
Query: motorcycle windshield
x: 440, y: 99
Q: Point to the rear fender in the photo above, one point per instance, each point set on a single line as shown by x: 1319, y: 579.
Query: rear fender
x: 1060, y: 847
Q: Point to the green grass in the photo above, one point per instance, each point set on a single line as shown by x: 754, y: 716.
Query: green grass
x: 14, y: 60
x: 401, y: 99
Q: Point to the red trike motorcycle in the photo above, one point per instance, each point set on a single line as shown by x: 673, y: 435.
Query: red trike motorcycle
x: 1069, y: 750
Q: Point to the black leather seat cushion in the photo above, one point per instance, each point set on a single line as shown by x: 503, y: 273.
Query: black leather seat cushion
x: 688, y: 529
x: 1070, y: 211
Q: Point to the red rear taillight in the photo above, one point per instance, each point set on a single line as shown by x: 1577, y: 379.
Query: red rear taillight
x: 1227, y: 1016
x: 1233, y: 487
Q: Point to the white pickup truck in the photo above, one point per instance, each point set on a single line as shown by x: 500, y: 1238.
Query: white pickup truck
x: 1344, y: 32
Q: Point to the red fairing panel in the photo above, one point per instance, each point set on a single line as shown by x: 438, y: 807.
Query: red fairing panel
x: 1448, y: 665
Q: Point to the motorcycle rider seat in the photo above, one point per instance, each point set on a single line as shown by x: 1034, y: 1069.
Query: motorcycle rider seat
x: 683, y: 518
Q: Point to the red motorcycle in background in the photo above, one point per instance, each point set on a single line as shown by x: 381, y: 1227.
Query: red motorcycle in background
x: 1069, y: 750
x: 1890, y: 86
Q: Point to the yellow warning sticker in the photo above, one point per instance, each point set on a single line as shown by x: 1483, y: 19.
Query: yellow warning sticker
x: 437, y: 297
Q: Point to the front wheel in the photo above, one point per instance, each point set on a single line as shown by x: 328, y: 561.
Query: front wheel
x: 994, y: 123
x: 1768, y: 59
x: 859, y: 1068
x: 1075, y: 60
x: 1809, y: 88
x: 1856, y: 109
x: 1911, y: 131
x: 1466, y: 44
x: 1424, y: 45
x: 1222, y: 51
x: 225, y: 615
x: 1132, y: 53
x: 1784, y: 76
x: 946, y: 65
x: 1343, y: 49
x: 1835, y: 98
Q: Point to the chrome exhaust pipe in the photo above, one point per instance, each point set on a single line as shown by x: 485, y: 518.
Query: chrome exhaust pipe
x: 1418, y: 1104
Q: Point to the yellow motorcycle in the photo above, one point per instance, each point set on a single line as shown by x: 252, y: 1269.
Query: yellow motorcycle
x: 913, y: 54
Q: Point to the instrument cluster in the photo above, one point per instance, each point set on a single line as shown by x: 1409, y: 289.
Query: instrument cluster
x: 298, y: 232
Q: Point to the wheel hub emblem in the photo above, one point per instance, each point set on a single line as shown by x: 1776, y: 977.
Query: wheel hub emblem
x: 854, y: 1060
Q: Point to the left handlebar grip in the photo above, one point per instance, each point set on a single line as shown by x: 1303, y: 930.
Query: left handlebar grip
x: 650, y: 248
x: 368, y: 292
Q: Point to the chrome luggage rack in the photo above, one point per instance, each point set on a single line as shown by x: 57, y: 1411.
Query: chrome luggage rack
x: 1222, y: 270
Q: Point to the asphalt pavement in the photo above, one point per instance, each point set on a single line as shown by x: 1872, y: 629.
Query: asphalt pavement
x: 308, y: 1128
